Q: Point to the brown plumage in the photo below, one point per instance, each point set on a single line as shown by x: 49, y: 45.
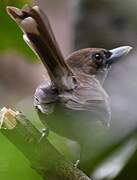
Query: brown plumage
x: 74, y: 96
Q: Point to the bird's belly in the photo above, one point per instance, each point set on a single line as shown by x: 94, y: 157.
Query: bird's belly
x: 73, y: 124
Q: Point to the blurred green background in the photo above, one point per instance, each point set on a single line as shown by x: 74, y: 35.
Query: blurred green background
x: 113, y: 154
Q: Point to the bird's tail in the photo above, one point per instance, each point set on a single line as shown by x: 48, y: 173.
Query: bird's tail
x: 39, y: 36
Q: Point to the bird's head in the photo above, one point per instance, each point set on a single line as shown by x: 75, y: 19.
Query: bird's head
x: 92, y: 60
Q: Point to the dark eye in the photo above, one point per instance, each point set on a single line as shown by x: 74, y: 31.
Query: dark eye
x: 98, y: 57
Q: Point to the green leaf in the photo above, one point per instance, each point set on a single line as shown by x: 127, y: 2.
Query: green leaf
x: 130, y: 169
x: 103, y: 145
x: 113, y: 166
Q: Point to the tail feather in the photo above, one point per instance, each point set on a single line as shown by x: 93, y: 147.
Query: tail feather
x: 39, y: 36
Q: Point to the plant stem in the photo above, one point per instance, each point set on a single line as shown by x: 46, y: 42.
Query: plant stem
x: 43, y: 156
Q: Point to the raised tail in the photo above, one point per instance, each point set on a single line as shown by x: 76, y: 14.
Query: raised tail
x: 39, y: 36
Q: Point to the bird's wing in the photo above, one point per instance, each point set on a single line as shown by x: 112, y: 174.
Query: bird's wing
x: 39, y: 36
x: 90, y: 97
x: 45, y: 97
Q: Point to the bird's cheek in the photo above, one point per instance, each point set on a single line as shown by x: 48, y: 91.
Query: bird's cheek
x: 90, y: 68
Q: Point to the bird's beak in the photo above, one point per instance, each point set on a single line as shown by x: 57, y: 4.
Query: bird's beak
x: 118, y: 52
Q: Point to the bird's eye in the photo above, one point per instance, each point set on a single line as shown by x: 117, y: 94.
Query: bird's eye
x: 98, y: 57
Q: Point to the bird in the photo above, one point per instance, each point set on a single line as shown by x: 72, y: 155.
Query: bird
x: 74, y: 95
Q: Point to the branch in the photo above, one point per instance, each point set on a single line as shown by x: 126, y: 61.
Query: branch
x: 43, y: 157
